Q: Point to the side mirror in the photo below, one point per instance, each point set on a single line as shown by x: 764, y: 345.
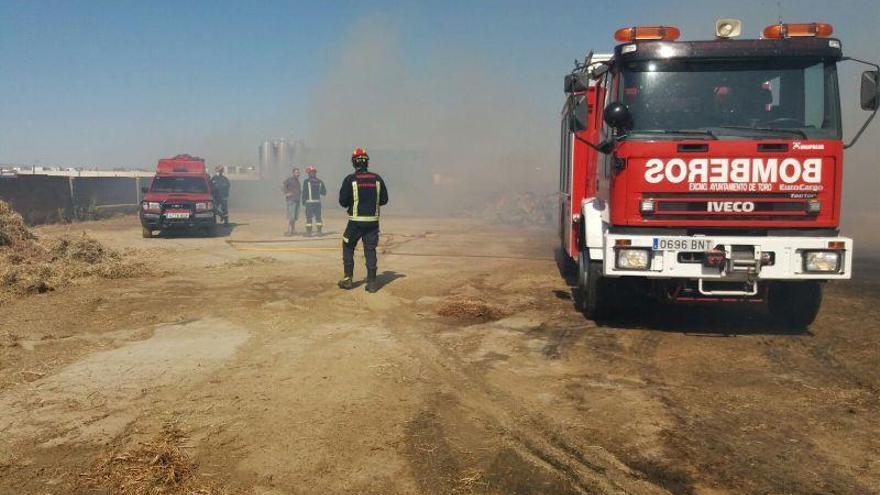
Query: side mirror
x: 575, y: 83
x: 578, y: 115
x: 144, y: 189
x: 870, y: 91
x: 617, y: 116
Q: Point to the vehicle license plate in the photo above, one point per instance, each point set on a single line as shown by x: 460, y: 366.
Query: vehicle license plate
x: 683, y: 244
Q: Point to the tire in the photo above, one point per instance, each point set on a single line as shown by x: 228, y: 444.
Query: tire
x: 795, y: 305
x: 567, y: 268
x: 596, y: 298
x: 146, y: 233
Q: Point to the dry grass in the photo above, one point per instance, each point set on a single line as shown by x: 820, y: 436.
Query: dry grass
x: 29, y: 265
x: 9, y: 339
x: 157, y: 467
x: 247, y: 262
x: 471, y: 308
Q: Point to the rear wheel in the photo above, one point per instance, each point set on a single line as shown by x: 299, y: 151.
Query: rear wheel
x: 795, y: 305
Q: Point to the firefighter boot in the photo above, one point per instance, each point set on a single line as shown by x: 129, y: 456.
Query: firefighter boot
x: 345, y: 283
x: 372, y: 283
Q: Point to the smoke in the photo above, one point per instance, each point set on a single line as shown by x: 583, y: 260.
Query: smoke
x: 445, y: 130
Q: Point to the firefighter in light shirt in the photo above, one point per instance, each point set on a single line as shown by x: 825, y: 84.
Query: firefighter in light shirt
x: 312, y: 190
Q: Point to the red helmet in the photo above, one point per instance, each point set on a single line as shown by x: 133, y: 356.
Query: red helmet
x: 360, y: 158
x: 311, y: 170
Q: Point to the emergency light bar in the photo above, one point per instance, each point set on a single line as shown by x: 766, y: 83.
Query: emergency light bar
x: 635, y: 33
x: 805, y: 30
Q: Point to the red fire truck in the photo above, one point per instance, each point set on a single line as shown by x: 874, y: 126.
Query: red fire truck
x: 179, y: 197
x: 707, y: 170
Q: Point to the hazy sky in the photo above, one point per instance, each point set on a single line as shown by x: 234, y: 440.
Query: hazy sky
x: 123, y: 83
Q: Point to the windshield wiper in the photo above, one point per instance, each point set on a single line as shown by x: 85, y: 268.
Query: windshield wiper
x: 686, y: 132
x: 765, y: 130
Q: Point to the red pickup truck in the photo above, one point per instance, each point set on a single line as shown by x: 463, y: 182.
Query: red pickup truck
x: 179, y: 197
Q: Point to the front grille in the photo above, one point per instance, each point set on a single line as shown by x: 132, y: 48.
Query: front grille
x: 727, y: 207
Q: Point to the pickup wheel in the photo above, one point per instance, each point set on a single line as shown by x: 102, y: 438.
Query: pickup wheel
x: 146, y: 233
x: 595, y: 299
x: 795, y: 305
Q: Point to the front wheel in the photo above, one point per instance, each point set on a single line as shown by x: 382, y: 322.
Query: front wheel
x: 146, y: 233
x: 596, y: 299
x: 795, y: 304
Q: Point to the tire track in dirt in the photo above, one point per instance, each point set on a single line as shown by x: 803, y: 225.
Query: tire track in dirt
x: 530, y: 434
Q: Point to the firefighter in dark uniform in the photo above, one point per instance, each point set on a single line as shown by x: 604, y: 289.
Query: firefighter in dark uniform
x: 312, y: 190
x: 220, y: 187
x: 362, y: 193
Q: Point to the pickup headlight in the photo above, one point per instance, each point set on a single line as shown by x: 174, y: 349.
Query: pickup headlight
x: 822, y: 261
x: 633, y: 258
x: 151, y: 206
x: 204, y: 206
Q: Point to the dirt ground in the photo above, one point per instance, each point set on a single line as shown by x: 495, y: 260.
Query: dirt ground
x: 462, y: 375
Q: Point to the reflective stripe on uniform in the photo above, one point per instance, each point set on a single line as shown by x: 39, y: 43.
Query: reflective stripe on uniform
x: 312, y: 201
x: 378, y: 195
x: 354, y: 217
x: 354, y: 191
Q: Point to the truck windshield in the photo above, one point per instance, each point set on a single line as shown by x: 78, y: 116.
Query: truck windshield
x: 792, y: 98
x: 179, y: 185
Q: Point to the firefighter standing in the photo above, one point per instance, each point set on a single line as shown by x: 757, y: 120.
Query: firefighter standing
x: 362, y: 193
x: 293, y: 194
x: 312, y: 190
x: 220, y: 187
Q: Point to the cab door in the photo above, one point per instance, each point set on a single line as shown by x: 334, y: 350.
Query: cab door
x: 565, y: 152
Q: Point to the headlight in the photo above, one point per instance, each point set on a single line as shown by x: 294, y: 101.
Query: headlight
x: 633, y: 259
x: 147, y: 206
x: 203, y: 206
x: 821, y: 261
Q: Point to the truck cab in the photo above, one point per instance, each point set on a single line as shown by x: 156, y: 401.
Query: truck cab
x: 707, y: 171
x: 179, y: 197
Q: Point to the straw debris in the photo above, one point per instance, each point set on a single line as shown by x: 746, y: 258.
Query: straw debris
x: 467, y: 308
x: 158, y: 467
x: 29, y: 265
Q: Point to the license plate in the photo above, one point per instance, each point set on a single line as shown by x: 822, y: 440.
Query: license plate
x: 177, y: 215
x: 683, y: 244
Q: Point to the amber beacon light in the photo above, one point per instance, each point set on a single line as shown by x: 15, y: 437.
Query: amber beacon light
x: 805, y: 30
x: 635, y: 33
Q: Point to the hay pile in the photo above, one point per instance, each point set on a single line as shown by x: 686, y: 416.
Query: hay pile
x: 12, y: 228
x: 467, y: 308
x: 29, y: 265
x: 157, y: 467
